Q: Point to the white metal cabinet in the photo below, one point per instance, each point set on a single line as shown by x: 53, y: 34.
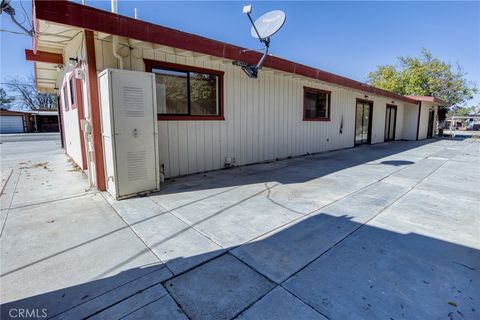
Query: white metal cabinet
x: 129, y: 132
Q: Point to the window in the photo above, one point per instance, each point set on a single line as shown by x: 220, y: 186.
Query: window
x: 187, y: 93
x: 65, y: 101
x: 316, y: 105
x: 71, y: 86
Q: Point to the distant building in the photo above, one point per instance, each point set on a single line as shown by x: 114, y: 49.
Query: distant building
x: 12, y: 121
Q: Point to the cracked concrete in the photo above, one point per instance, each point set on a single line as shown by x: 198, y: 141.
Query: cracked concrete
x: 382, y: 231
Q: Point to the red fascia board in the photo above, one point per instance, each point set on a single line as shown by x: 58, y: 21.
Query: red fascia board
x: 428, y: 99
x: 77, y: 15
x: 43, y: 56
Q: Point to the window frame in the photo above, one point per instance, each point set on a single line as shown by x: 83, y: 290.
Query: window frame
x: 152, y: 64
x: 329, y: 101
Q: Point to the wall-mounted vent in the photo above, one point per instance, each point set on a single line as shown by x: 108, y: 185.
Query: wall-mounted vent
x: 134, y: 106
x: 137, y: 165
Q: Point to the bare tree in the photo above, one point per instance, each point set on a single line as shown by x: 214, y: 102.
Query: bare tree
x: 5, y: 100
x: 28, y: 96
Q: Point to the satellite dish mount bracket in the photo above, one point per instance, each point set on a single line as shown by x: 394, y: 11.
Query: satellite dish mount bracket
x: 251, y: 69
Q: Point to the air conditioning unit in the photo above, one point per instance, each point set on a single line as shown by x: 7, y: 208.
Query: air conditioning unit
x: 129, y: 132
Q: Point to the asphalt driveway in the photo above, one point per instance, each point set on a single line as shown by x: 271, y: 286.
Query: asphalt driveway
x: 388, y: 231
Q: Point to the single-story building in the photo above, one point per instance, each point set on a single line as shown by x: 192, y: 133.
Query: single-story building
x: 209, y: 114
x: 28, y: 121
x: 13, y: 121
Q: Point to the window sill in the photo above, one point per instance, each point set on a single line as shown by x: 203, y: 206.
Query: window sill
x: 189, y: 118
x: 316, y: 119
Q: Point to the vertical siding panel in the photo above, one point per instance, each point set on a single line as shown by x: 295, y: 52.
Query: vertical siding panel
x: 164, y: 153
x: 200, y: 137
x: 229, y: 110
x: 208, y: 145
x: 148, y: 54
x: 192, y: 147
x: 256, y: 122
x: 237, y: 114
x: 173, y: 148
x: 249, y: 132
x: 243, y: 119
x: 99, y: 55
x: 168, y: 56
x: 223, y: 134
x: 216, y: 145
x: 298, y: 117
x: 276, y: 116
x: 263, y: 116
x: 283, y: 129
x: 161, y: 56
x: 292, y: 108
x: 270, y: 117
x: 182, y: 147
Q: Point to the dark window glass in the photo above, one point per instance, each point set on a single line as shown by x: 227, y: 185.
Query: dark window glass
x: 187, y: 93
x: 72, y: 92
x: 203, y: 94
x: 65, y: 101
x: 316, y: 105
x: 172, y: 91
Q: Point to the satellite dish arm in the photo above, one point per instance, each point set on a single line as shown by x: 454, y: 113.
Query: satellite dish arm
x: 254, y: 27
x: 266, y: 42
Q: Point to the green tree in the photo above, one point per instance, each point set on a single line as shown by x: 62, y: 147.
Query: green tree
x: 5, y: 100
x: 425, y: 76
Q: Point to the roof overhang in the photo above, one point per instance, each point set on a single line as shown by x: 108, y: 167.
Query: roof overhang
x: 429, y: 99
x: 84, y: 17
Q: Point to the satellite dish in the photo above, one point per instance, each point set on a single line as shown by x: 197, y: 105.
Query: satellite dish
x: 262, y: 29
x: 268, y: 24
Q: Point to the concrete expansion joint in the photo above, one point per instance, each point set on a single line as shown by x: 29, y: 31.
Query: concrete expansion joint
x: 136, y: 234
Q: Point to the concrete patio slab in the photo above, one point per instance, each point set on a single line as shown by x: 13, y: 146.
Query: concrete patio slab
x: 119, y: 295
x: 219, y: 289
x: 74, y: 250
x: 380, y: 231
x: 246, y: 221
x: 279, y: 304
x: 206, y: 209
x: 163, y: 308
x: 306, y: 197
x: 132, y: 304
x: 177, y: 244
x: 368, y: 279
x: 281, y: 253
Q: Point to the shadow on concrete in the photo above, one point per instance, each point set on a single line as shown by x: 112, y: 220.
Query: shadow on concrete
x: 397, y: 163
x: 294, y: 170
x: 358, y: 269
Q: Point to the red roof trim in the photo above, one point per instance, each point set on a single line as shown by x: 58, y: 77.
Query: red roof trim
x: 428, y: 99
x: 43, y: 56
x: 70, y: 13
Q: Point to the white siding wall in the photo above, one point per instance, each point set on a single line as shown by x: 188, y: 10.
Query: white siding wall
x: 263, y: 117
x: 422, y: 131
x: 74, y: 49
x: 71, y: 131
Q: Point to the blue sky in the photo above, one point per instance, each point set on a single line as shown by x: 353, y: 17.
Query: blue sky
x: 347, y: 38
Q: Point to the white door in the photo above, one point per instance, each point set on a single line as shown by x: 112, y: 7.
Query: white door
x: 135, y: 129
x: 11, y: 124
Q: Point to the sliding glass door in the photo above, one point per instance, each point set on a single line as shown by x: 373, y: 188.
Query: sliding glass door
x: 390, y: 122
x: 363, y: 122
